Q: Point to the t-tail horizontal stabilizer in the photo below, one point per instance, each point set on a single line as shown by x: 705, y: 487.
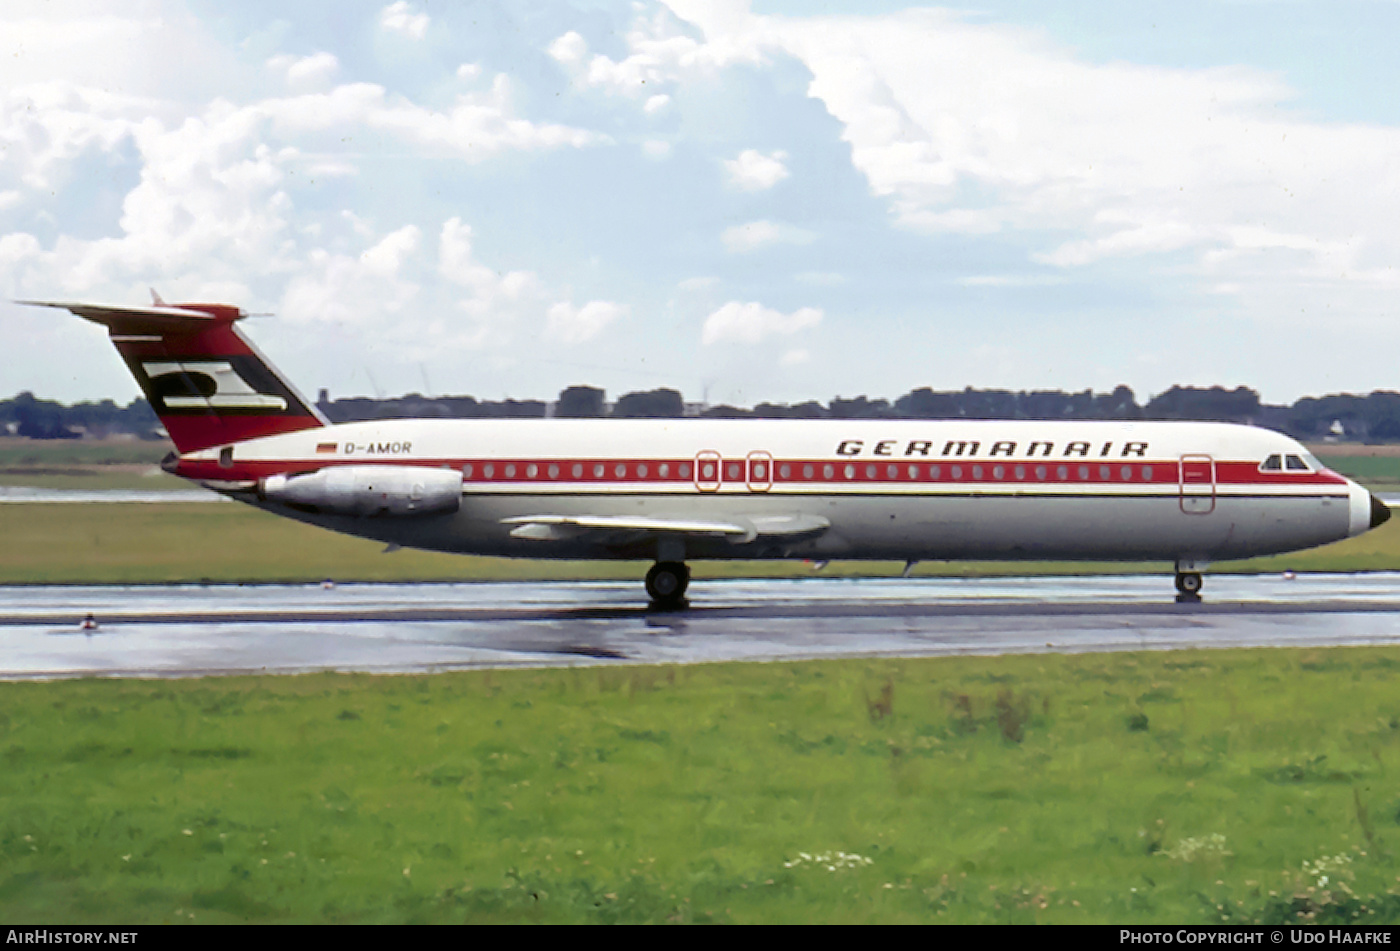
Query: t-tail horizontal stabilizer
x: 205, y: 380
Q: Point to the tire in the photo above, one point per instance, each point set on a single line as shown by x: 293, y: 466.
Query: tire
x: 666, y: 583
x: 1189, y: 583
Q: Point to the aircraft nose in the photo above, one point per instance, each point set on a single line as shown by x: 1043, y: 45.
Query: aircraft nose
x: 1364, y: 510
x: 1380, y: 512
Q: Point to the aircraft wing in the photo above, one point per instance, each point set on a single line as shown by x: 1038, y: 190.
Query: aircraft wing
x: 618, y: 528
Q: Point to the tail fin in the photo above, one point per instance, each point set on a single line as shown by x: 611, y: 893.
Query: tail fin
x: 206, y: 381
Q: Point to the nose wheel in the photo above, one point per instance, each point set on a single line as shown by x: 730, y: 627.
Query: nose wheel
x: 666, y: 583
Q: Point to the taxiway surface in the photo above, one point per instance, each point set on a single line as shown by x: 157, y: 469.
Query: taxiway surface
x: 192, y: 630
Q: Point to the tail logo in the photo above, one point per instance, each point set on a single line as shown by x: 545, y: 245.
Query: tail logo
x: 205, y: 385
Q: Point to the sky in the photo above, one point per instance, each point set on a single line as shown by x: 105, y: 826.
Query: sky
x: 744, y: 200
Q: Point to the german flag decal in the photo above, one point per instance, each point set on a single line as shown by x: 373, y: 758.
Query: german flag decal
x: 325, y: 447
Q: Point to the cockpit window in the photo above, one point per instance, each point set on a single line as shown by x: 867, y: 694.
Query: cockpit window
x: 1272, y: 464
x: 1295, y: 463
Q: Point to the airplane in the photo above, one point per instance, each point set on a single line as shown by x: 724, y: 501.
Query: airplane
x: 669, y: 490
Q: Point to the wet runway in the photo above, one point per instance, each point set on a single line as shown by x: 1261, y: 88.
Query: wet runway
x: 192, y: 630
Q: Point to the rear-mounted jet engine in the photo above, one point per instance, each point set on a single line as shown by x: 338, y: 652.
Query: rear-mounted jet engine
x: 368, y: 491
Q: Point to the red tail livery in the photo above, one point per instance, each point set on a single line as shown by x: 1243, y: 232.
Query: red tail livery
x: 206, y: 381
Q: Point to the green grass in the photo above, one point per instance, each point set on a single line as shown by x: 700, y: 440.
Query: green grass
x: 96, y: 479
x: 114, y: 543
x: 85, y: 464
x: 80, y: 452
x: 1163, y: 787
x: 1378, y: 473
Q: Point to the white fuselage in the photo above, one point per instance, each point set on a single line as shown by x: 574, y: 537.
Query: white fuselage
x: 861, y: 489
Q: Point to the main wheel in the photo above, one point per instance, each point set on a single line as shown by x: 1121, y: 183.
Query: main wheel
x: 666, y: 583
x: 1189, y: 583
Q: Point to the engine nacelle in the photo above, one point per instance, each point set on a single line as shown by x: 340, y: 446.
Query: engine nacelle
x: 367, y: 491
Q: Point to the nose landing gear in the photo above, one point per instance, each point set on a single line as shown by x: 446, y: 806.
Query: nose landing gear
x: 666, y: 583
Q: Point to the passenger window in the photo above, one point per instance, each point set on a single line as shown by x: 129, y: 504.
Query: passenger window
x: 1272, y: 464
x: 1296, y: 464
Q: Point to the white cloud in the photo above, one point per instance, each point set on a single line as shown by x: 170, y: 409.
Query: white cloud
x: 760, y: 234
x: 212, y: 204
x: 753, y: 171
x: 569, y: 49
x: 473, y: 307
x: 656, y: 104
x: 982, y: 128
x: 400, y: 18
x: 792, y: 358
x: 475, y: 128
x: 16, y: 248
x: 306, y: 71
x: 656, y: 149
x: 156, y: 48
x: 661, y: 50
x: 699, y: 283
x: 359, y: 291
x: 739, y: 322
x: 388, y: 256
x: 1011, y: 280
x: 571, y: 325
x: 44, y: 127
x: 494, y: 301
x: 331, y: 169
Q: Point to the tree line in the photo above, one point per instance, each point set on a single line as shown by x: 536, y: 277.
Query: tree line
x: 1374, y: 417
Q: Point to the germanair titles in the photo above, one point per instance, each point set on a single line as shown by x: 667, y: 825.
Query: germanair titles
x: 1005, y: 448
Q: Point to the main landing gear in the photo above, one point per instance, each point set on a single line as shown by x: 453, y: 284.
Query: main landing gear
x: 1188, y: 586
x: 666, y: 584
